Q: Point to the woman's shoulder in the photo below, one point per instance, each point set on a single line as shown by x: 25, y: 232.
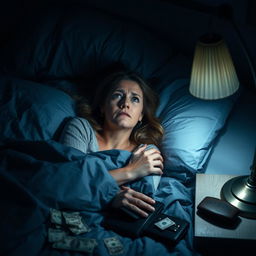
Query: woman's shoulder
x: 78, y: 133
x: 79, y: 121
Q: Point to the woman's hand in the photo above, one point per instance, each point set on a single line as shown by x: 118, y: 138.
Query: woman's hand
x: 135, y: 201
x: 145, y: 162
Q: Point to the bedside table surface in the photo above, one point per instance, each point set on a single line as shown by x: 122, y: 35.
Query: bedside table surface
x: 210, y: 185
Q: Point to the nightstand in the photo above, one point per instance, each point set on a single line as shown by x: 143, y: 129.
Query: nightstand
x: 210, y: 239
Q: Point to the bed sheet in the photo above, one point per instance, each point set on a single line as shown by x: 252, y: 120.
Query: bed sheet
x: 37, y: 176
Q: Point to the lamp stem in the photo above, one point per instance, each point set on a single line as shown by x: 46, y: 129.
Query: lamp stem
x: 241, y: 192
x: 252, y: 178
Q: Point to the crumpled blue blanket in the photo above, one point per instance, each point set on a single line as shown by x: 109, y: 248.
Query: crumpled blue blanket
x: 37, y: 176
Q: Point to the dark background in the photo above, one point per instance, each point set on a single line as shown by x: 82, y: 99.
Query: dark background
x: 181, y: 26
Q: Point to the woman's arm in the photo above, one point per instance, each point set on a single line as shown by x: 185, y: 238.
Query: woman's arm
x: 143, y: 162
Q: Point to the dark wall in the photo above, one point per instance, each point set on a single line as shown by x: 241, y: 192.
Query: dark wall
x: 181, y: 26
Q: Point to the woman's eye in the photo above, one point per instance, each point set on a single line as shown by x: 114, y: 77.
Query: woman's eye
x: 135, y: 99
x: 116, y: 96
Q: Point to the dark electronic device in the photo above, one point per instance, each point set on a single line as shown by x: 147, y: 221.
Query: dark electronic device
x: 220, y: 211
x: 157, y: 225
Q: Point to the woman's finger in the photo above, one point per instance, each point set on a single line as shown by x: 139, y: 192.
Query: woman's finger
x: 138, y: 210
x: 159, y: 164
x: 138, y: 198
x: 141, y: 196
x: 125, y: 188
x: 159, y: 157
x: 157, y: 171
x: 140, y: 149
x: 139, y: 206
x: 137, y: 202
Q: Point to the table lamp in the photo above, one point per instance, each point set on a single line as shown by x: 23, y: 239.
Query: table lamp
x: 213, y: 73
x: 214, y: 77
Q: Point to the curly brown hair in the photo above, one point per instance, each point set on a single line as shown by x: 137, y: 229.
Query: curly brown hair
x: 149, y: 131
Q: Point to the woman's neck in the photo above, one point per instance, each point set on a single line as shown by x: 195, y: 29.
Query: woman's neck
x: 115, y: 140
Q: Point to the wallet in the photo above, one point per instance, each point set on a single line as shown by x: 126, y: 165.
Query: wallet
x: 157, y: 225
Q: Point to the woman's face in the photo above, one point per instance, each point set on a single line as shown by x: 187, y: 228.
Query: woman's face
x: 123, y: 107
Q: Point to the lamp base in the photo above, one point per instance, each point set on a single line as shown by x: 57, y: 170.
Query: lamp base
x: 241, y: 194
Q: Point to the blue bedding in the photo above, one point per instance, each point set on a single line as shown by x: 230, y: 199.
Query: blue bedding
x: 63, y: 51
x: 37, y: 176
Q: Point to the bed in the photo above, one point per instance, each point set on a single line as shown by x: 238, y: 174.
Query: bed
x: 67, y: 49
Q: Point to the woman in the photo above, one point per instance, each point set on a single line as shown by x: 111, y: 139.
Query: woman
x: 123, y: 118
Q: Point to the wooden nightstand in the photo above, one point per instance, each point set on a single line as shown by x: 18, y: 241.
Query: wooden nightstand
x: 214, y: 240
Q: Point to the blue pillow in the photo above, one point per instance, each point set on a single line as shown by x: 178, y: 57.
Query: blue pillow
x: 31, y: 111
x: 191, y: 126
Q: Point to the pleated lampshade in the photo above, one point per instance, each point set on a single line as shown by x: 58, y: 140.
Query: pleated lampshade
x: 213, y: 73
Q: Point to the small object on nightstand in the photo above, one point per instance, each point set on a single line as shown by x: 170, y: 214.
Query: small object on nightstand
x: 218, y: 212
x: 214, y: 239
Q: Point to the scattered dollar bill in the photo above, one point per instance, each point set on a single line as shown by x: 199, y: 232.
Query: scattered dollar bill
x: 56, y: 217
x: 78, y: 244
x: 75, y: 223
x: 55, y: 235
x: 72, y: 218
x: 114, y: 245
x: 80, y: 230
x: 165, y: 223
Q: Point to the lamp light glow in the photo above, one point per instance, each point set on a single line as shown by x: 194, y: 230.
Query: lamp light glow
x: 214, y: 77
x: 213, y: 74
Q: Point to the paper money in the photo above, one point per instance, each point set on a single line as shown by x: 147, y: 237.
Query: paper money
x: 78, y: 244
x: 164, y: 223
x: 75, y: 223
x: 72, y: 218
x: 114, y: 245
x: 79, y: 230
x: 55, y: 235
x: 56, y: 217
